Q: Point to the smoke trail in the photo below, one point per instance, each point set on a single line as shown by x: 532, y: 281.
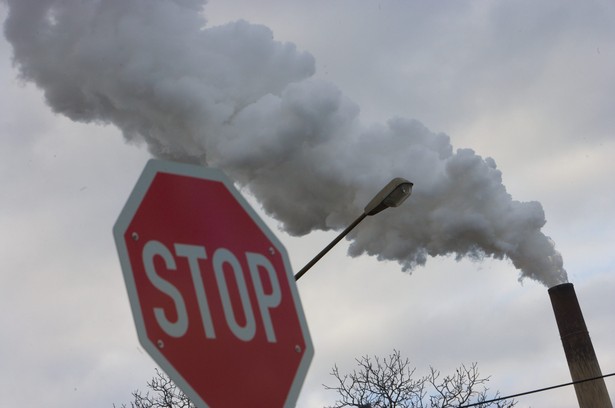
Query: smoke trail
x: 232, y: 97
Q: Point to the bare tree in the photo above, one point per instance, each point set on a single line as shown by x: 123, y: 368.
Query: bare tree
x: 376, y: 383
x: 390, y: 383
x: 165, y: 394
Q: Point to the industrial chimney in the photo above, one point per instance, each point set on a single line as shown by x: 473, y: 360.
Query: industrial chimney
x: 578, y: 347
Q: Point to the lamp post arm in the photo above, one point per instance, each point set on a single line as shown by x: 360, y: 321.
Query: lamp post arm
x: 328, y: 247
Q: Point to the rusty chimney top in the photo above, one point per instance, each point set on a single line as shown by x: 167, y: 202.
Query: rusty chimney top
x: 582, y: 360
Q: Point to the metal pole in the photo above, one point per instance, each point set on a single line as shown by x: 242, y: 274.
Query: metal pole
x: 328, y: 247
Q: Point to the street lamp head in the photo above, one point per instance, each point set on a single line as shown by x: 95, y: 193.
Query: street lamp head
x: 392, y: 195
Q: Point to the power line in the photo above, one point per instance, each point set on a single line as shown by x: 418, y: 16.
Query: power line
x: 535, y: 391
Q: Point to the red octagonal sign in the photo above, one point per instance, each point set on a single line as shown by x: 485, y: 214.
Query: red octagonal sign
x: 211, y: 290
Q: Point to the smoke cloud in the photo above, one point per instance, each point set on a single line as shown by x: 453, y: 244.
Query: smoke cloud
x: 232, y: 97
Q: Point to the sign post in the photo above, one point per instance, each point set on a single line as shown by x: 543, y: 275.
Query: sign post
x: 211, y: 290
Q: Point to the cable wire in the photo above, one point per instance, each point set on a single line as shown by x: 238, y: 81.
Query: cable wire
x: 535, y: 391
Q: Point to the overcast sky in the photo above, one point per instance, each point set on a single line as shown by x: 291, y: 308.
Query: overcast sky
x: 527, y: 84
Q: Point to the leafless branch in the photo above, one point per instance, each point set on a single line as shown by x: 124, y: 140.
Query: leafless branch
x: 388, y: 383
x: 164, y: 394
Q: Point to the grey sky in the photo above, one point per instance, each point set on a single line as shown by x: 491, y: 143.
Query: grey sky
x: 529, y: 85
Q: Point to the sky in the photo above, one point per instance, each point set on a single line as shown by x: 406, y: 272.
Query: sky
x: 527, y: 86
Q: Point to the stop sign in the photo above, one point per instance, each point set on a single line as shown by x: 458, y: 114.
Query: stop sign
x: 211, y: 289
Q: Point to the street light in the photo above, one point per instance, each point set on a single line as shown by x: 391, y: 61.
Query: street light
x: 392, y: 195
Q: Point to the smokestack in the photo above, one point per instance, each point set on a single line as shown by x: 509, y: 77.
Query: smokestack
x: 578, y: 348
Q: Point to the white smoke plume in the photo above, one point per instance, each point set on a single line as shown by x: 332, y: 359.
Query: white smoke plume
x: 231, y: 97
